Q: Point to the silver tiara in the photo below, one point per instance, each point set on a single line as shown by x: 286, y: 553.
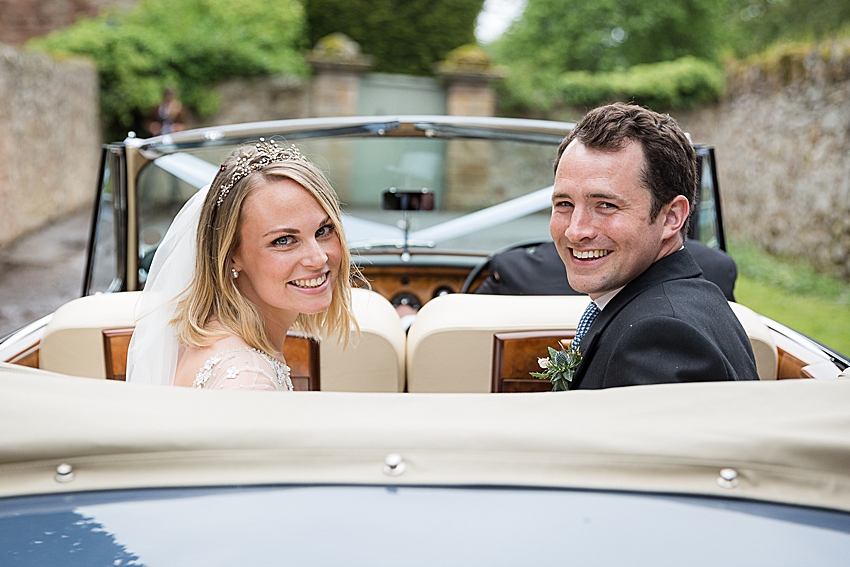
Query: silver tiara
x: 268, y: 152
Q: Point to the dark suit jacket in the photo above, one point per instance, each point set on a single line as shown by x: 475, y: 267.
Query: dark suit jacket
x: 539, y: 271
x: 667, y: 325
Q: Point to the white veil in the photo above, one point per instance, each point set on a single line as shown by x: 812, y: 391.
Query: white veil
x: 152, y: 356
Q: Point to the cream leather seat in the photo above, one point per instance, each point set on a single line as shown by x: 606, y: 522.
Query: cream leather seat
x: 450, y: 343
x: 73, y: 341
x: 372, y: 362
x: 449, y: 347
x: 764, y: 347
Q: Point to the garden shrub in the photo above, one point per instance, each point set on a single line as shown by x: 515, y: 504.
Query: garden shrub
x: 683, y: 83
x: 189, y: 45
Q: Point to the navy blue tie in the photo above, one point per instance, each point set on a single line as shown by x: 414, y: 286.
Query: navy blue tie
x: 585, y: 322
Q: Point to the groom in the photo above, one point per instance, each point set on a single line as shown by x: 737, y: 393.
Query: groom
x: 625, y: 183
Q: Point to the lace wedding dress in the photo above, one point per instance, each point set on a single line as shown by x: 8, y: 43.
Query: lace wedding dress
x: 243, y: 368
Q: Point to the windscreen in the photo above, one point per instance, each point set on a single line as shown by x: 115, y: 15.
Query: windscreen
x: 464, y: 175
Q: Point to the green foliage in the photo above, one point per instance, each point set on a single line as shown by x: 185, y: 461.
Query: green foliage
x: 605, y: 35
x: 753, y: 25
x: 819, y: 318
x: 682, y: 83
x: 792, y: 276
x: 793, y: 293
x: 588, y: 52
x: 189, y: 45
x: 403, y: 36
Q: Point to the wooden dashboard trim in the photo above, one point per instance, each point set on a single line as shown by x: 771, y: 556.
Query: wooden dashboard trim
x: 422, y: 282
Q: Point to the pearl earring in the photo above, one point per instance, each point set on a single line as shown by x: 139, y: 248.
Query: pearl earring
x: 234, y: 273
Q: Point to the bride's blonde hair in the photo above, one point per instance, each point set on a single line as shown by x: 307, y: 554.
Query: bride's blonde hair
x: 213, y: 293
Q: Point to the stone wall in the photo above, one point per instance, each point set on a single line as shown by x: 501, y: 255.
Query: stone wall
x: 49, y: 139
x: 252, y: 100
x: 782, y: 137
x: 21, y: 20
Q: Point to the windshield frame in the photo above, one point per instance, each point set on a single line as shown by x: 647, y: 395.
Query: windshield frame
x: 136, y: 154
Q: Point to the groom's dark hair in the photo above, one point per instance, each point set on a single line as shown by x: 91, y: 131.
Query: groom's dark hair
x: 670, y: 167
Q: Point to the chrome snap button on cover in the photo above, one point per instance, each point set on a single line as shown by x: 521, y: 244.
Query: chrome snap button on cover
x: 394, y: 465
x: 64, y: 473
x: 728, y: 478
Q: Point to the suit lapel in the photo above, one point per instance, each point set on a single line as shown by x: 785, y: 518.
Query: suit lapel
x: 675, y: 266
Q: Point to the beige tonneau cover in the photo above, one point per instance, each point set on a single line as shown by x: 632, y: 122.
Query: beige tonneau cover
x: 785, y: 441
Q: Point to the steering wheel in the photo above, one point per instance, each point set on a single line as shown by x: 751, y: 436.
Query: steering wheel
x: 485, y: 263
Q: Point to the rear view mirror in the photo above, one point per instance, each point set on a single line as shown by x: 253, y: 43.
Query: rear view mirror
x: 395, y: 200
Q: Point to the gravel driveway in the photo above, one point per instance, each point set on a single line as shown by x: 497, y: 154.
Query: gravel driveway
x: 42, y: 270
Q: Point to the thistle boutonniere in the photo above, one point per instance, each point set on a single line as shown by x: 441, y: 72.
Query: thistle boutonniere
x: 559, y: 367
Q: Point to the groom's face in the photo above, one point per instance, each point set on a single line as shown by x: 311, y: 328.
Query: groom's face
x: 601, y: 220
x: 289, y: 254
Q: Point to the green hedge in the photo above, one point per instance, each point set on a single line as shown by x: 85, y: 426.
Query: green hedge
x: 189, y: 45
x: 683, y: 83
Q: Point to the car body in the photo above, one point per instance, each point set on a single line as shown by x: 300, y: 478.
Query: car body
x: 405, y: 454
x: 102, y: 472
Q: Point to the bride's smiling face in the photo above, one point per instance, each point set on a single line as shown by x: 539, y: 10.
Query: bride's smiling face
x: 289, y: 254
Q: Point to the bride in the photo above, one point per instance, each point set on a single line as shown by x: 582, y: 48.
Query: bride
x: 260, y: 252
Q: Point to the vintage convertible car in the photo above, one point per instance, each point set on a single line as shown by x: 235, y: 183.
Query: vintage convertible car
x: 403, y: 454
x: 489, y: 180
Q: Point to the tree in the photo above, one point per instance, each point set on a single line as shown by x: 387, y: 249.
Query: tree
x: 403, y: 36
x: 189, y: 45
x: 588, y: 52
x: 753, y: 25
x: 605, y: 35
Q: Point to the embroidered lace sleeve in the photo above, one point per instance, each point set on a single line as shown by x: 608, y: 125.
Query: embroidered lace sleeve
x: 243, y: 369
